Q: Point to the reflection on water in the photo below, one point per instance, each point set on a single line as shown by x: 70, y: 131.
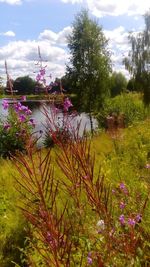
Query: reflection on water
x: 40, y: 119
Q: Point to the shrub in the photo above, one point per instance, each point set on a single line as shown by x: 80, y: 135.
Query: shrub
x: 15, y: 130
x: 128, y: 104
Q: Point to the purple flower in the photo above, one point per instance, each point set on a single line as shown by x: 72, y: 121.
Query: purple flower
x: 138, y: 218
x: 89, y: 259
x: 28, y: 111
x: 42, y: 72
x: 131, y: 222
x: 5, y: 104
x: 18, y: 107
x: 6, y: 126
x: 32, y: 122
x: 122, y: 205
x: 38, y: 77
x: 122, y: 219
x: 123, y: 188
x: 67, y: 104
x: 22, y: 118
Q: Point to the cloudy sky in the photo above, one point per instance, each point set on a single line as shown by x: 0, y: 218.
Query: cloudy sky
x: 27, y: 24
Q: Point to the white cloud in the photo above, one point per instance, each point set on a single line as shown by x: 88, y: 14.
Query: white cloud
x: 22, y: 56
x: 60, y: 38
x: 11, y: 2
x: 101, y: 8
x: 8, y: 33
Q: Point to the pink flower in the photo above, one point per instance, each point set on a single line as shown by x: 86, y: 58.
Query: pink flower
x: 32, y: 122
x: 6, y: 126
x: 131, y: 222
x: 122, y: 205
x: 122, y: 219
x: 138, y: 218
x: 38, y: 77
x: 89, y: 259
x: 42, y: 72
x: 67, y: 104
x: 24, y: 98
x: 123, y: 188
x: 22, y: 118
x: 147, y: 166
x: 5, y: 104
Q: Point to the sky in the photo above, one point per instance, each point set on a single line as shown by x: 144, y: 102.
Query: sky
x: 27, y: 24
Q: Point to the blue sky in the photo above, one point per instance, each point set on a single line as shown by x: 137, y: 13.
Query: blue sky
x: 27, y: 24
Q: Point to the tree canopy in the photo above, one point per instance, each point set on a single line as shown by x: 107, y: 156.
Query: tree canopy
x: 138, y: 60
x: 89, y: 65
x: 118, y: 83
x: 24, y: 85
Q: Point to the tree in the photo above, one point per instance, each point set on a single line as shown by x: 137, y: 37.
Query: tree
x: 89, y: 66
x: 138, y: 60
x: 24, y: 85
x: 118, y: 83
x: 1, y: 86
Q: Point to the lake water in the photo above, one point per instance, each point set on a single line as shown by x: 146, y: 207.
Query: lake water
x: 40, y: 119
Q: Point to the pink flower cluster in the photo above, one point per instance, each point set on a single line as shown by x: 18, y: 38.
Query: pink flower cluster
x: 67, y: 104
x: 41, y: 75
x: 22, y: 112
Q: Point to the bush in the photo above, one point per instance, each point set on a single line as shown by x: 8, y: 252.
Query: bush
x: 15, y: 130
x: 130, y: 105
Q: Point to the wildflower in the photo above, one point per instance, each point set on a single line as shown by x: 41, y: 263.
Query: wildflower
x: 113, y: 191
x: 38, y: 77
x: 6, y: 126
x: 67, y: 104
x: 100, y: 225
x: 32, y: 122
x: 5, y: 104
x: 28, y: 111
x: 122, y: 205
x: 122, y: 219
x: 138, y: 218
x: 123, y: 188
x: 22, y: 118
x: 89, y: 259
x: 18, y: 107
x: 147, y: 166
x: 24, y: 98
x: 42, y: 72
x: 131, y: 222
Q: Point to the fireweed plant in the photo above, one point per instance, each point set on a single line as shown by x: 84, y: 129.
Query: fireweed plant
x: 78, y: 218
x: 15, y: 129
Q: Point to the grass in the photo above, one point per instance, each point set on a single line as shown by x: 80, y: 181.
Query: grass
x: 121, y: 159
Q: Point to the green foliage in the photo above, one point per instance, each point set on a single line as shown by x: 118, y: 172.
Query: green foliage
x: 89, y: 63
x: 138, y: 60
x: 130, y: 105
x: 118, y: 83
x: 24, y: 85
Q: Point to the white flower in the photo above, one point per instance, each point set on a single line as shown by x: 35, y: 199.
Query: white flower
x: 100, y: 225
